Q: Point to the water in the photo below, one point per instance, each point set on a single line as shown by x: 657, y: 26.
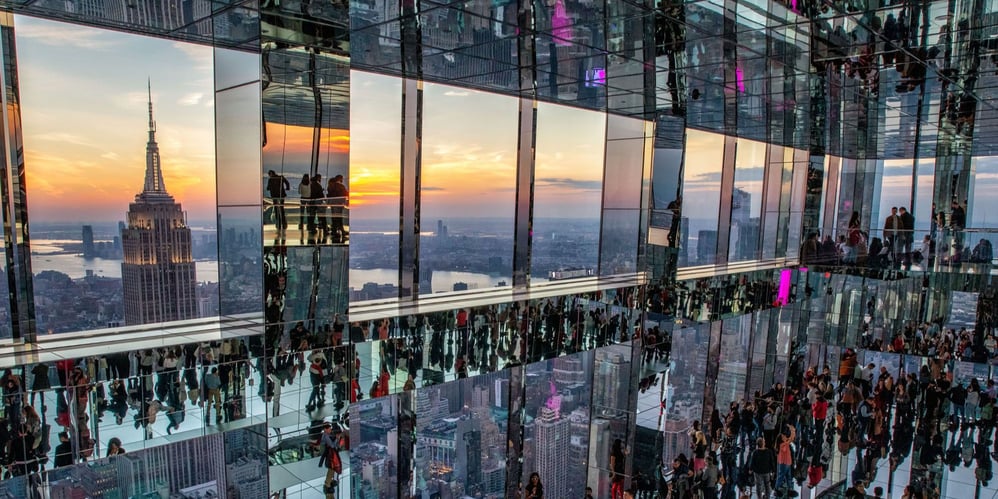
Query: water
x: 48, y: 254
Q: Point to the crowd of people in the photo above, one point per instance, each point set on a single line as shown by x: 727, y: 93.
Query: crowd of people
x: 156, y: 390
x: 780, y: 441
x: 895, y: 246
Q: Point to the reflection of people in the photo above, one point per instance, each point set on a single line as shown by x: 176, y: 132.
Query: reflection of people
x: 314, y: 208
x: 330, y: 459
x: 617, y: 470
x: 676, y: 208
x: 277, y: 187
x: 957, y: 221
x: 114, y: 447
x: 534, y: 488
x: 338, y: 192
x: 891, y: 227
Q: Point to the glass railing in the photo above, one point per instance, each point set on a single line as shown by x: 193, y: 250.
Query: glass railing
x: 940, y: 249
x: 296, y: 221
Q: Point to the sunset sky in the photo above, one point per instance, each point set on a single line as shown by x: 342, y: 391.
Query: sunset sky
x: 84, y: 111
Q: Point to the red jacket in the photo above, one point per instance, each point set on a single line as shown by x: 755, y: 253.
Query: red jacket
x: 820, y: 410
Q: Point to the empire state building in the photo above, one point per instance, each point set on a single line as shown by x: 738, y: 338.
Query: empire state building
x: 157, y: 273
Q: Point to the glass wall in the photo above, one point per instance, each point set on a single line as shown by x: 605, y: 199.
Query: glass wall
x: 622, y: 189
x: 467, y: 226
x: 568, y: 184
x: 94, y: 230
x: 375, y: 182
x: 746, y: 201
x: 702, y: 186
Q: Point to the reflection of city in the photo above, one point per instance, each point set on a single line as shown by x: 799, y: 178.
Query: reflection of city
x: 465, y: 254
x: 190, y: 469
x: 461, y: 438
x: 556, y: 438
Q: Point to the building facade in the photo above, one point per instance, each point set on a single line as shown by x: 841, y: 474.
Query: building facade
x: 158, y: 273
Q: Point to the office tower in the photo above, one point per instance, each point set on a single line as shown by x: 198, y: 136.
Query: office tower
x: 551, y: 436
x: 158, y: 273
x: 88, y: 242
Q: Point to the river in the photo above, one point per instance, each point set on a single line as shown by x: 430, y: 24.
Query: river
x: 48, y: 254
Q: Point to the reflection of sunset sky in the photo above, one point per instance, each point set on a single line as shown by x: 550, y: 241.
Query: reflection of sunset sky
x: 84, y: 112
x: 568, y: 176
x: 289, y: 152
x: 702, y: 174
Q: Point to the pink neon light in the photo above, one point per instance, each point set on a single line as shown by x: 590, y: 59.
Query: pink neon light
x: 783, y: 295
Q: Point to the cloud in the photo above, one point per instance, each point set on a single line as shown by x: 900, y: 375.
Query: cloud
x: 191, y: 99
x: 64, y: 35
x: 570, y: 183
x: 431, y: 188
x: 111, y: 155
x: 454, y: 93
x: 65, y: 138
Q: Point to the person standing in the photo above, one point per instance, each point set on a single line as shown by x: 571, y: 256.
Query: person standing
x: 617, y: 470
x: 892, y: 227
x: 338, y: 194
x: 330, y: 459
x: 277, y: 187
x: 957, y: 222
x: 63, y: 451
x: 315, y: 209
x: 762, y: 462
x: 785, y: 461
x: 534, y: 488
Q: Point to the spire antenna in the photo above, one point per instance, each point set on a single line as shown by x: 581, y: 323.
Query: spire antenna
x: 152, y: 124
x: 154, y: 171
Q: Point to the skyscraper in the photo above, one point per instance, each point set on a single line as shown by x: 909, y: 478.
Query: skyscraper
x: 88, y: 242
x: 157, y: 273
x: 552, y: 436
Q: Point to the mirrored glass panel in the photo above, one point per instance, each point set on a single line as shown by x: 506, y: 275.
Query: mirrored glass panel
x: 233, y: 67
x: 666, y: 212
x: 240, y: 263
x: 701, y: 185
x: 461, y: 436
x: 375, y: 176
x: 123, y: 211
x: 568, y: 183
x: 924, y: 210
x: 746, y: 201
x: 556, y: 436
x: 237, y: 146
x: 982, y: 212
x: 895, y: 189
x: 466, y: 239
x: 375, y: 447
